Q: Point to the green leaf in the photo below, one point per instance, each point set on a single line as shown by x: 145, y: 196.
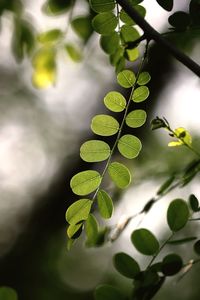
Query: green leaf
x: 78, y: 211
x: 7, y: 293
x: 105, y: 204
x: 171, y: 264
x: 73, y: 52
x: 135, y: 2
x: 104, y: 125
x: 144, y: 78
x: 126, y: 265
x: 105, y: 23
x: 115, y: 101
x: 132, y: 54
x: 129, y: 146
x: 117, y: 56
x: 109, y: 43
x: 91, y: 230
x: 179, y: 20
x: 166, y: 185
x: 44, y: 65
x: 182, y: 241
x: 120, y: 174
x: 145, y: 242
x: 107, y: 292
x: 197, y: 247
x: 70, y: 243
x: 74, y: 230
x: 83, y: 27
x: 50, y: 36
x: 140, y: 94
x: 120, y: 65
x: 195, y: 12
x: 56, y: 7
x: 136, y: 118
x: 166, y: 4
x: 102, y: 5
x: 177, y: 214
x: 129, y: 34
x: 85, y: 182
x: 194, y: 203
x: 124, y: 17
x: 94, y: 151
x: 126, y: 78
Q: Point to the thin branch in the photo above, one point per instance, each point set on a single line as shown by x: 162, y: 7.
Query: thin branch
x: 152, y: 34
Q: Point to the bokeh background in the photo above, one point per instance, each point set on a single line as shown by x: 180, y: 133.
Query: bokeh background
x: 40, y: 135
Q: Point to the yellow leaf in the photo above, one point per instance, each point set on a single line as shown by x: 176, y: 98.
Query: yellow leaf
x: 175, y: 143
x: 183, y: 135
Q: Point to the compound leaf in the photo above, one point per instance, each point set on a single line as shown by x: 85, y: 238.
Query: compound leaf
x: 102, y: 5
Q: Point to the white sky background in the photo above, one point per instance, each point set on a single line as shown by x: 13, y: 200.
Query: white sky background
x: 30, y: 157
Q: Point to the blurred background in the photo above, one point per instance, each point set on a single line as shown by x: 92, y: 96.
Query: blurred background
x: 40, y: 135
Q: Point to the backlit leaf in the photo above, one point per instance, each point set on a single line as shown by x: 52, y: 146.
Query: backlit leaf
x: 126, y: 265
x: 129, y: 34
x: 91, y: 230
x: 144, y: 78
x: 7, y: 293
x: 50, y: 36
x: 184, y: 136
x: 73, y: 52
x: 140, y: 94
x: 126, y: 78
x: 110, y: 43
x: 85, y: 182
x: 104, y: 23
x: 56, y: 7
x: 115, y: 101
x: 171, y: 264
x: 120, y: 174
x: 107, y: 292
x: 128, y: 20
x: 94, y: 151
x: 104, y: 125
x: 145, y: 242
x: 116, y: 57
x: 78, y: 211
x: 73, y: 229
x: 132, y: 54
x: 136, y: 118
x: 105, y: 204
x: 102, y: 5
x: 129, y: 146
x: 166, y: 4
x: 177, y: 214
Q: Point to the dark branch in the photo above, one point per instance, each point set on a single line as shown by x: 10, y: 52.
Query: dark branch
x: 152, y: 34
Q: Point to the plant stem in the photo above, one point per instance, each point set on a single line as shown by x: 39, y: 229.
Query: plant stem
x: 152, y: 34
